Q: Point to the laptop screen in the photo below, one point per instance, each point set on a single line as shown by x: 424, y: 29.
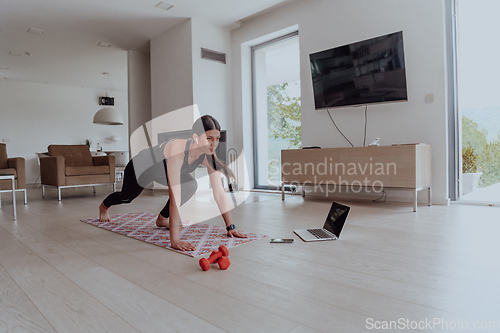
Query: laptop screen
x: 336, y: 218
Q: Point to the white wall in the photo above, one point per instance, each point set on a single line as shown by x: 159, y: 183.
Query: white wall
x: 211, y: 79
x: 171, y: 70
x: 139, y: 89
x: 325, y: 24
x: 35, y: 115
x: 180, y: 77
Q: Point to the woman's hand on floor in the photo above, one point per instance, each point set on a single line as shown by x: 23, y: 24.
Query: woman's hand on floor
x: 183, y: 245
x: 236, y: 233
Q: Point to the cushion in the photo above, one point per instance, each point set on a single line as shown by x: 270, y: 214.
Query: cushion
x: 87, y: 170
x: 3, y: 156
x: 87, y: 180
x: 74, y: 155
x: 8, y: 172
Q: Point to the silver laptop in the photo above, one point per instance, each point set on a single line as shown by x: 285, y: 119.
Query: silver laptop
x: 331, y: 229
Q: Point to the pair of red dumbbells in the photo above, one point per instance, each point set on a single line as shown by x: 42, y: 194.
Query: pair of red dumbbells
x: 220, y: 257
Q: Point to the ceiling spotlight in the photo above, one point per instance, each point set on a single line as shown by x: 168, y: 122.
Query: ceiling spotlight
x: 35, y: 31
x: 104, y: 44
x: 15, y: 54
x: 164, y: 5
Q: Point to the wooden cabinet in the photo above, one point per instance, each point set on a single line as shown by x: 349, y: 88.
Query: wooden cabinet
x: 402, y: 167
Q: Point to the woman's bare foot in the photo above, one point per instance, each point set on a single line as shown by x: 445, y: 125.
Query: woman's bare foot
x: 162, y: 222
x: 103, y: 213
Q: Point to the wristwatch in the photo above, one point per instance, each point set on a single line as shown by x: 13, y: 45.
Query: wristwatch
x: 231, y: 227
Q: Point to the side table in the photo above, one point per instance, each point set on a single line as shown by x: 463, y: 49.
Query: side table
x: 11, y: 177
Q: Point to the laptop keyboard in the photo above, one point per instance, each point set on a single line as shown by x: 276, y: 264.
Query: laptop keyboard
x: 319, y: 233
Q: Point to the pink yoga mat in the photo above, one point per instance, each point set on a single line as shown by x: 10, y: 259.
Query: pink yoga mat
x: 142, y: 226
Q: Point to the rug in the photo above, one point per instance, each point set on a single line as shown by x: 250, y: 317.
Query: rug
x: 142, y: 226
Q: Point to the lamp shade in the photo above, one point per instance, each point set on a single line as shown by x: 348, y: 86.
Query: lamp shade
x: 108, y: 116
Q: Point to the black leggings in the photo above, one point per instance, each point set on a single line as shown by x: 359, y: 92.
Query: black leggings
x: 131, y: 189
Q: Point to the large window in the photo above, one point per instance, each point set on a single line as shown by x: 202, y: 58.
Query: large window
x: 479, y: 106
x: 276, y: 106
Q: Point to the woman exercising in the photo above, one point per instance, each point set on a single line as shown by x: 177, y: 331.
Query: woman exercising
x: 180, y: 157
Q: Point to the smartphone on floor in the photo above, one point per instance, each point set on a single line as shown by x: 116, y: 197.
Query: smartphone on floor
x: 282, y: 240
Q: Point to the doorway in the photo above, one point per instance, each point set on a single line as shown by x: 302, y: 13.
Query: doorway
x: 276, y: 106
x: 477, y: 52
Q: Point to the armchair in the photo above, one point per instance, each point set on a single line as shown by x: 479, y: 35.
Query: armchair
x: 12, y: 166
x: 74, y: 166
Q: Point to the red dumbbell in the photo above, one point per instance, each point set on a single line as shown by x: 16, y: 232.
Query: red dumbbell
x: 220, y: 257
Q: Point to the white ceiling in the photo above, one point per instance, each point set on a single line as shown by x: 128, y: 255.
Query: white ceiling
x: 67, y: 52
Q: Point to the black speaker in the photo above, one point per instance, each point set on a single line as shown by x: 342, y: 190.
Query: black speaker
x: 106, y: 101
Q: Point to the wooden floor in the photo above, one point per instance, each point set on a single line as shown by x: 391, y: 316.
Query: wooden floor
x: 390, y: 266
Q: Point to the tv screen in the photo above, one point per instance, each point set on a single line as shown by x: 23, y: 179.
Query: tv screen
x: 370, y: 71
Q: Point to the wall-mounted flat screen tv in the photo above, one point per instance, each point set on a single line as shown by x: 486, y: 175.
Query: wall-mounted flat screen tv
x: 365, y: 72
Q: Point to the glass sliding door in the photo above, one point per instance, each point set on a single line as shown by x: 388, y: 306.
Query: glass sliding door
x: 276, y: 106
x: 479, y: 105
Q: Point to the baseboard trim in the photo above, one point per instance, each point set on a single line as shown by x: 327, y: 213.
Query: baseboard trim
x: 392, y: 196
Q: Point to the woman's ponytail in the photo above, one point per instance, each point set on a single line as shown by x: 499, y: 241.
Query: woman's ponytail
x: 219, y: 165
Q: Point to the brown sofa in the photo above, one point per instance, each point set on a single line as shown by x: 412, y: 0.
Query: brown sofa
x: 74, y: 166
x: 12, y: 166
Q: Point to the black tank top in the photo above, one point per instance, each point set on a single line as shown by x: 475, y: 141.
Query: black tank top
x: 152, y: 161
x: 186, y: 167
